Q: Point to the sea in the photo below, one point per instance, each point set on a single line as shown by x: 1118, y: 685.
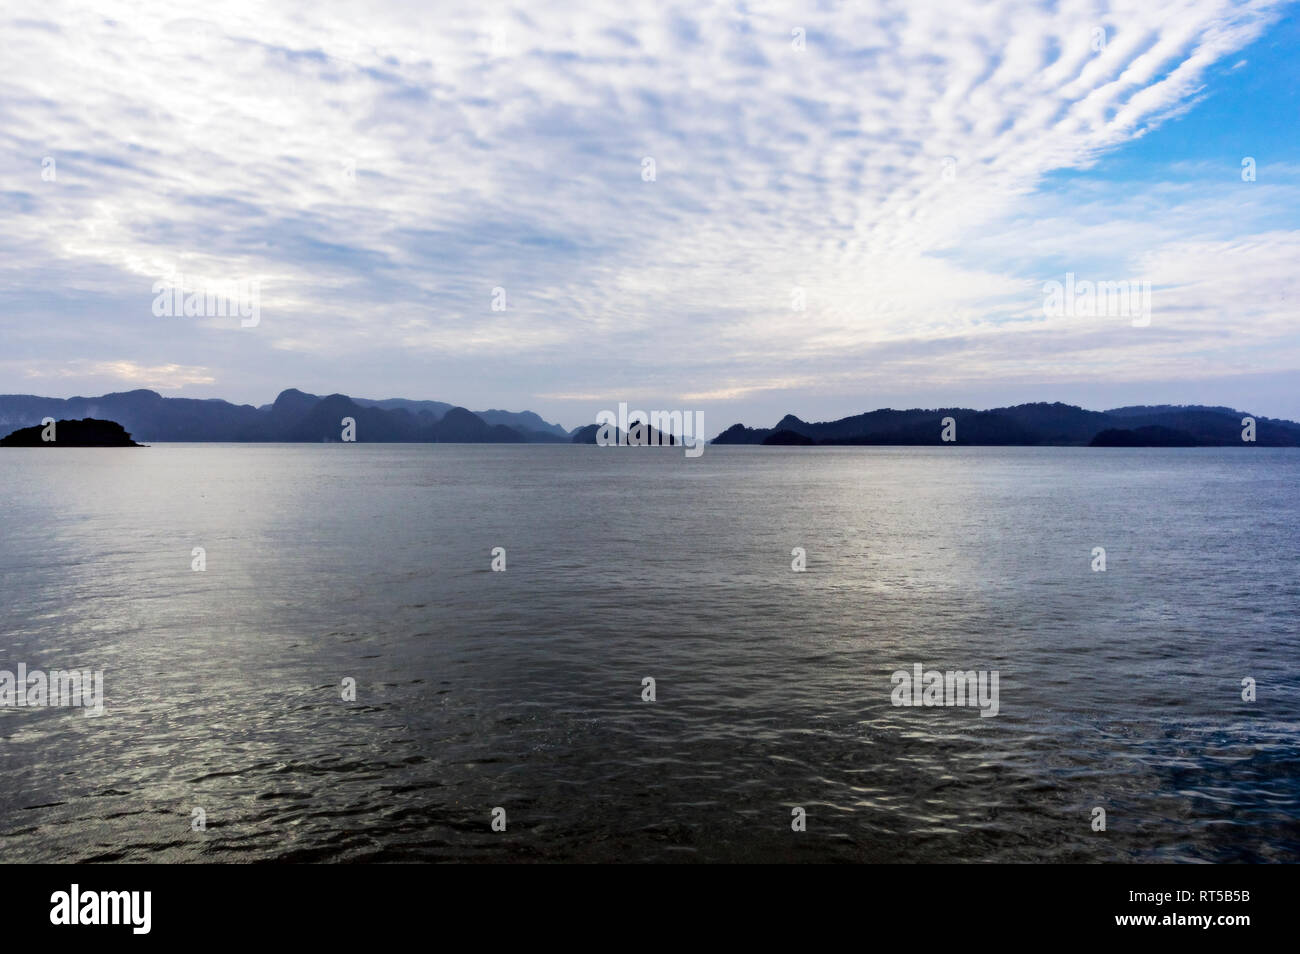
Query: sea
x: 545, y: 653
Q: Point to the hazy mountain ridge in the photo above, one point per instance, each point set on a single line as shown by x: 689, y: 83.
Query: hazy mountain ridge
x: 294, y: 416
x: 1028, y: 425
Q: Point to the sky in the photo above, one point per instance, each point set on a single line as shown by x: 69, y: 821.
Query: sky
x: 745, y: 209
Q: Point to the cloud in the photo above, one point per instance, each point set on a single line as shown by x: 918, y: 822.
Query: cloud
x: 380, y: 174
x: 164, y: 377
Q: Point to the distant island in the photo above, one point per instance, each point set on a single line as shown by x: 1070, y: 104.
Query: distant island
x: 296, y: 416
x: 1028, y: 425
x: 88, y: 432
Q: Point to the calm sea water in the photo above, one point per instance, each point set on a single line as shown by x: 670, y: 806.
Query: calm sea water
x: 522, y: 690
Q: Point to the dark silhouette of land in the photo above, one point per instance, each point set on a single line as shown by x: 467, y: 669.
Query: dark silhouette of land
x: 1029, y: 425
x: 296, y: 416
x: 1153, y: 436
x: 788, y: 438
x: 637, y: 435
x: 88, y: 432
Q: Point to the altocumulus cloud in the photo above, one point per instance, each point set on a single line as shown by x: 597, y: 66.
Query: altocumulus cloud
x: 381, y: 173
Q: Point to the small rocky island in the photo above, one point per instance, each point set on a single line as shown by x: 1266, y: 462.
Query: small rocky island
x: 87, y: 432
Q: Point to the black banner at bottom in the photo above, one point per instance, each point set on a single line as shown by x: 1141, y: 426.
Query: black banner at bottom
x: 140, y: 904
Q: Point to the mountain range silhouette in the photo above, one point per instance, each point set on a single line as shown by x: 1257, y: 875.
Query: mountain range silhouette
x: 1030, y: 424
x: 296, y: 416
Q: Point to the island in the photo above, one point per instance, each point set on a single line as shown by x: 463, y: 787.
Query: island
x: 87, y: 432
